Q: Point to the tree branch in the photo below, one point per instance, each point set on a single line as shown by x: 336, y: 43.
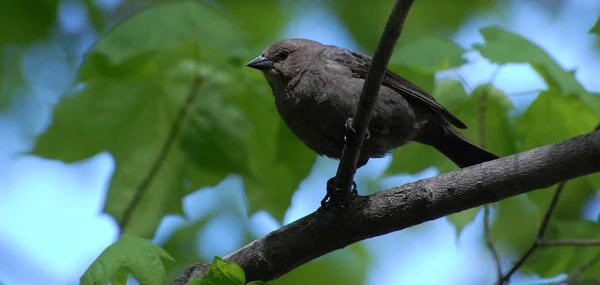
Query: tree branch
x: 411, y: 204
x: 370, y: 91
x: 173, y: 133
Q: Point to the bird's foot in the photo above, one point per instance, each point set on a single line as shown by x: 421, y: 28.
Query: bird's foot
x: 338, y: 196
x: 350, y: 128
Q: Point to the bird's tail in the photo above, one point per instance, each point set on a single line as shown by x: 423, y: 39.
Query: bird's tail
x: 460, y: 150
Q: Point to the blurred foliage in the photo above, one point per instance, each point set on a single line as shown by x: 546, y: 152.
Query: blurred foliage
x: 146, y: 261
x: 596, y: 28
x: 366, y: 19
x: 32, y: 22
x: 138, y: 76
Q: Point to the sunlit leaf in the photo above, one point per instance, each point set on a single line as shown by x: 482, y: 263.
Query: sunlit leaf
x: 553, y: 117
x: 161, y: 27
x: 132, y: 122
x: 429, y: 54
x: 147, y: 262
x: 505, y: 47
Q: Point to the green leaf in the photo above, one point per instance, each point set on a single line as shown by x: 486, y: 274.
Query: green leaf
x: 22, y: 23
x: 365, y: 19
x: 497, y: 131
x: 183, y: 243
x: 575, y: 195
x: 551, y: 261
x: 429, y: 54
x: 424, y: 80
x: 277, y: 160
x: 461, y: 219
x: 95, y: 15
x: 264, y: 21
x: 244, y: 134
x: 553, y: 117
x: 516, y: 224
x: 414, y: 157
x: 347, y: 266
x: 523, y: 51
x: 132, y: 122
x: 11, y: 75
x: 147, y: 262
x: 136, y: 80
x: 596, y: 28
x: 221, y: 272
x: 161, y: 27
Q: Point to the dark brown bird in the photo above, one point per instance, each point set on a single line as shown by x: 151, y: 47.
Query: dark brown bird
x: 317, y: 87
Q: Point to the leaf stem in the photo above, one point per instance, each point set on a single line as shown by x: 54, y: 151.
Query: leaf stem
x: 155, y: 168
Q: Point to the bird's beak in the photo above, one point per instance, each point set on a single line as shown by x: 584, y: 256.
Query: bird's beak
x: 260, y: 63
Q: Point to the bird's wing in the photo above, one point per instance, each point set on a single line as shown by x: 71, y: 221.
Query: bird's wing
x: 359, y: 65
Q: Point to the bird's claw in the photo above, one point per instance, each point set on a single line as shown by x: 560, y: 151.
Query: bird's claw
x: 335, y: 195
x: 350, y: 127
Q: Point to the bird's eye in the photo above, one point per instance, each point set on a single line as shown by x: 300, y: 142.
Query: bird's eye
x: 284, y: 54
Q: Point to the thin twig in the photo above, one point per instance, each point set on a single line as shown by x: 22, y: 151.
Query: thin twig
x: 575, y: 273
x: 486, y: 209
x: 370, y: 91
x: 488, y: 240
x: 540, y: 235
x: 495, y: 74
x: 586, y: 281
x: 539, y: 241
x: 173, y: 133
x: 527, y: 92
x: 570, y: 242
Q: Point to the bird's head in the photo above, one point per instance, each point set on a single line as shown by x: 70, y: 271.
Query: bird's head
x: 284, y: 59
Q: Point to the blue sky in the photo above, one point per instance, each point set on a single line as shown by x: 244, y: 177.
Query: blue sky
x: 51, y: 225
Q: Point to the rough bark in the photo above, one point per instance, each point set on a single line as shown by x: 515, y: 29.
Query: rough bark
x: 411, y: 204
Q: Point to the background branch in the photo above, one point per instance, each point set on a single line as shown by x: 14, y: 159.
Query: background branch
x: 370, y: 91
x: 540, y: 235
x: 401, y: 207
x: 539, y: 241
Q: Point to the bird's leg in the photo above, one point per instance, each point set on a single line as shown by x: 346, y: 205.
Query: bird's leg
x: 350, y: 128
x: 334, y: 193
x: 337, y: 194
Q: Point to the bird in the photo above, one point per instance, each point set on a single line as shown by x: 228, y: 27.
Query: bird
x: 317, y: 88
